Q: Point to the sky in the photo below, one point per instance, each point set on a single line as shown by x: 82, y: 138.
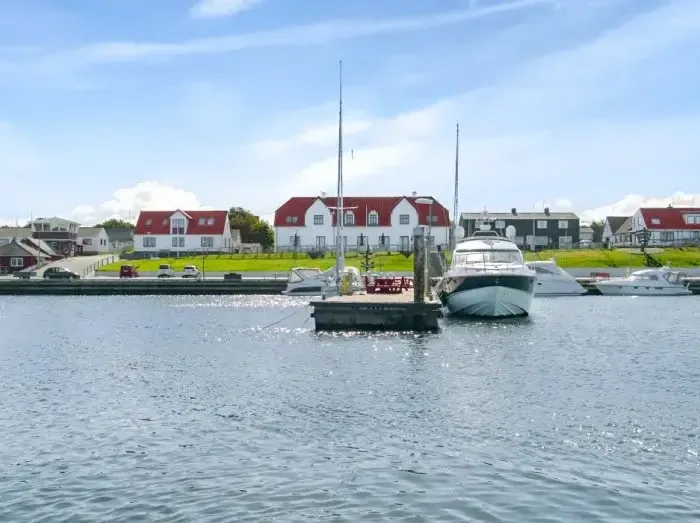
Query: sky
x: 108, y: 107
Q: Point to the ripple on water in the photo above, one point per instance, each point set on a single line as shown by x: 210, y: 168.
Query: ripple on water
x: 232, y: 409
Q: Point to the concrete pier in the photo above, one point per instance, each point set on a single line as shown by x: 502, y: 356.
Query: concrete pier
x: 376, y: 312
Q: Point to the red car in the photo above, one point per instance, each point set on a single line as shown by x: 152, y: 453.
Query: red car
x: 127, y: 271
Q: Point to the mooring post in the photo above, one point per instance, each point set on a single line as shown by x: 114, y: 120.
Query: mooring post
x: 418, y: 265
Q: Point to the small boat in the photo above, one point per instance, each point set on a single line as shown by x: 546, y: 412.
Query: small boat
x: 647, y: 282
x: 306, y: 281
x: 488, y: 278
x: 554, y: 281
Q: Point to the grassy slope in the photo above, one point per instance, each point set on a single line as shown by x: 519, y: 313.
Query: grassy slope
x: 397, y: 262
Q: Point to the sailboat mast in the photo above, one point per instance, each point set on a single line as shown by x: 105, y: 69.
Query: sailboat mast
x: 455, y: 215
x: 340, y: 211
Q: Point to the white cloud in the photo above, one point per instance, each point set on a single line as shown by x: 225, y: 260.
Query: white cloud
x: 630, y: 203
x: 128, y: 202
x: 221, y: 8
x: 314, y: 34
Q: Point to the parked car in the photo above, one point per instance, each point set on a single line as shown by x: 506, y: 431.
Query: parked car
x: 60, y: 273
x: 165, y: 271
x: 128, y: 271
x: 190, y: 271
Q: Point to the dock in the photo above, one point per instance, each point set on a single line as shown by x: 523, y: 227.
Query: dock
x: 139, y: 287
x: 376, y: 312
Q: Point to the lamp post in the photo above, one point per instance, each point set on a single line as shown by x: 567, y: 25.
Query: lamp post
x: 429, y: 202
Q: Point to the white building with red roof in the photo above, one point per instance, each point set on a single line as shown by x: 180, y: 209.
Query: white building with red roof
x: 183, y: 231
x: 380, y: 222
x: 668, y: 225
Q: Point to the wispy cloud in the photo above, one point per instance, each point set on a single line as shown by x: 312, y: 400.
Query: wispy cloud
x: 313, y: 34
x: 222, y: 8
x: 630, y: 203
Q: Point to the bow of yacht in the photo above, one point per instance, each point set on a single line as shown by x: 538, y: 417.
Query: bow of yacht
x: 488, y: 277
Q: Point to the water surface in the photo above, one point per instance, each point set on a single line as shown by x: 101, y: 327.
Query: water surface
x: 232, y: 409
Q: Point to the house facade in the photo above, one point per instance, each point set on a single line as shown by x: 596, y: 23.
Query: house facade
x: 611, y: 227
x: 92, y: 240
x: 183, y: 232
x: 120, y: 239
x: 380, y: 223
x: 59, y: 233
x: 550, y: 229
x: 16, y: 256
x: 668, y: 226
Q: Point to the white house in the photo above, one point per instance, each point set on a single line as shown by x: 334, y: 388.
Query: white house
x: 93, y: 240
x: 59, y: 233
x: 611, y: 227
x: 308, y: 223
x: 667, y: 226
x: 183, y: 231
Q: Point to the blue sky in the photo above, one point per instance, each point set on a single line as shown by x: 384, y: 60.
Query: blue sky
x: 110, y: 106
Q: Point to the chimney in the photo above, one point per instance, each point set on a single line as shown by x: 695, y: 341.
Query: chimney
x: 514, y: 211
x: 414, y: 194
x: 546, y: 211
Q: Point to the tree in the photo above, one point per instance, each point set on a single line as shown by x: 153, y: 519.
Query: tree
x: 251, y: 227
x: 597, y: 227
x: 115, y: 223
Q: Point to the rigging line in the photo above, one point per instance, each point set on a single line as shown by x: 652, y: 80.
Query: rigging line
x: 306, y: 307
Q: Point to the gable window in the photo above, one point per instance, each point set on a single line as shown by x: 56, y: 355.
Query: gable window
x: 207, y: 241
x: 404, y: 219
x: 178, y: 226
x: 373, y: 218
x: 655, y: 221
x: 318, y: 219
x: 16, y: 262
x: 541, y: 224
x: 149, y: 241
x: 563, y: 224
x: 292, y: 219
x: 349, y: 218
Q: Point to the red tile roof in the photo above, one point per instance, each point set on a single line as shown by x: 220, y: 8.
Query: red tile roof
x: 670, y: 219
x: 298, y: 205
x: 158, y: 222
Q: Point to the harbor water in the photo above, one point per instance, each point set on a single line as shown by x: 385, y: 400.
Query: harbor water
x: 221, y: 409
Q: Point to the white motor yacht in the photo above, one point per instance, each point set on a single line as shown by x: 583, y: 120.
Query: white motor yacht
x: 305, y: 281
x: 647, y: 282
x: 488, y: 277
x: 552, y: 280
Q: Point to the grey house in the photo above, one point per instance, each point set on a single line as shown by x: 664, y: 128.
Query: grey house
x: 552, y: 230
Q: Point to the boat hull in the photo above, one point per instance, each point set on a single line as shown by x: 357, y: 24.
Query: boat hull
x: 489, y: 295
x: 558, y: 287
x: 610, y: 288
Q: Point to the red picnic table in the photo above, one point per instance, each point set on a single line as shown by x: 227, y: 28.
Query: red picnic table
x: 387, y: 285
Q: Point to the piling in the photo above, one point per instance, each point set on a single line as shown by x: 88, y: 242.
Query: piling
x: 419, y: 256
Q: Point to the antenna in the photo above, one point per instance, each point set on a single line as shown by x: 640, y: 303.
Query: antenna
x: 455, y: 211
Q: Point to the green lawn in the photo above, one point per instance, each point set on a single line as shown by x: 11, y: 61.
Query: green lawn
x: 398, y: 262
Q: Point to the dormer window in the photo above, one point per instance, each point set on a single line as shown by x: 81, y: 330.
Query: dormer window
x: 349, y: 218
x: 373, y: 218
x: 292, y: 219
x: 210, y: 221
x: 164, y: 222
x: 202, y: 221
x: 149, y: 222
x: 692, y: 219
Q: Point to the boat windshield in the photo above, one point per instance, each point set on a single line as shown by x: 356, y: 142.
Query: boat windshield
x: 297, y: 275
x: 641, y: 275
x: 472, y: 257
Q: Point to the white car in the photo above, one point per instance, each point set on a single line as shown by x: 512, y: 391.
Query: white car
x: 190, y: 271
x: 165, y: 271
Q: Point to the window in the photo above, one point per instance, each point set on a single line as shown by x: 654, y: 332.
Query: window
x: 384, y: 241
x: 16, y: 262
x: 181, y: 242
x: 318, y: 219
x: 432, y: 219
x: 465, y: 258
x: 149, y: 241
x: 165, y: 221
x: 692, y: 219
x: 563, y: 224
x: 500, y: 224
x: 320, y: 242
x: 174, y: 241
x: 149, y: 221
x: 404, y: 219
x: 349, y: 218
x: 655, y: 221
x: 202, y: 221
x: 87, y: 241
x: 373, y: 218
x: 541, y: 224
x: 405, y: 242
x: 178, y: 226
x: 667, y: 236
x: 207, y: 241
x: 361, y: 240
x: 292, y: 219
x: 430, y: 240
x: 294, y: 241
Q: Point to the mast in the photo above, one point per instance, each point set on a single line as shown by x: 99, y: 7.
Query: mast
x: 455, y: 215
x: 340, y: 212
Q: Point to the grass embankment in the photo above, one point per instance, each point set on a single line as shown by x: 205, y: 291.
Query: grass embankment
x: 282, y: 262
